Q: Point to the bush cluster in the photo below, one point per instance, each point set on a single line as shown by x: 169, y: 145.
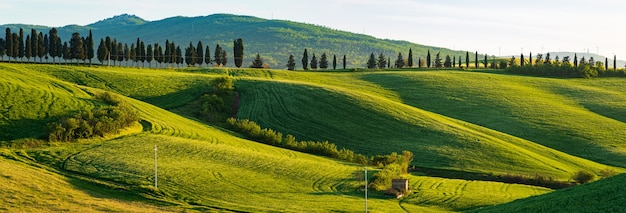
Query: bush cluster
x: 565, y: 70
x: 96, y: 122
x: 268, y: 136
x: 536, y: 180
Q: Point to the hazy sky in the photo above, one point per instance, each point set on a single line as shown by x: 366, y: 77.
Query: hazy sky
x: 493, y: 27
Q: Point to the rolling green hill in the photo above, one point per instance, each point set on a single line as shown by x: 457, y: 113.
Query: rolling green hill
x: 275, y: 40
x: 601, y: 196
x: 451, y: 120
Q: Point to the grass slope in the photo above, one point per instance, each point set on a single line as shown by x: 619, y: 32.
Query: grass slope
x: 30, y: 100
x: 356, y: 119
x: 205, y: 168
x: 29, y: 189
x: 601, y: 196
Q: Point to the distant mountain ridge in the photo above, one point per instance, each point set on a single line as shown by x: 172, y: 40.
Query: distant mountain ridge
x: 275, y: 40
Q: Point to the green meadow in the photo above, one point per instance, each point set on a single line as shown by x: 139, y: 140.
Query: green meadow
x: 481, y: 123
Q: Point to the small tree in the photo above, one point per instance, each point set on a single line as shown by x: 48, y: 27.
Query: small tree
x: 334, y: 62
x: 344, y: 62
x: 582, y: 177
x: 448, y: 62
x: 291, y: 63
x: 382, y: 62
x: 371, y: 63
x: 400, y: 61
x: 438, y: 63
x: 314, y: 62
x: 324, y: 61
x: 258, y: 62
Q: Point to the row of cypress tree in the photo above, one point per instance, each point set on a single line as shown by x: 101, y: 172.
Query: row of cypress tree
x: 17, y: 46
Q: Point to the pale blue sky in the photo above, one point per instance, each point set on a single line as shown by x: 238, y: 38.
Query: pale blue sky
x: 494, y: 27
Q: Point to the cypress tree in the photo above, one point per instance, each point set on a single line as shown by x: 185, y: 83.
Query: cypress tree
x: 199, y: 53
x: 522, y: 59
x: 16, y: 46
x: 238, y: 52
x: 324, y: 61
x: 224, y: 58
x: 530, y: 59
x: 41, y: 43
x: 20, y: 44
x: 410, y: 59
x: 428, y: 59
x: 614, y: 62
x: 207, y: 56
x: 2, y: 49
x: 606, y: 63
x: 149, y: 55
x: 142, y: 53
x: 179, y: 56
x: 575, y: 60
x: 291, y: 63
x: 388, y: 62
x: 133, y: 53
x: 120, y: 52
x: 454, y: 61
x: 305, y: 60
x: 90, y: 50
x: 485, y: 63
x: 66, y: 52
x: 334, y: 62
x: 218, y: 55
x: 34, y: 43
x: 9, y: 43
x: 189, y: 55
x: 467, y: 59
x: 28, y: 50
x: 102, y: 52
x: 476, y: 60
x: 344, y: 62
x: 126, y: 53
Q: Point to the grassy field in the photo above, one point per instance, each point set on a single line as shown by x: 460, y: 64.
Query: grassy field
x: 205, y: 168
x: 26, y: 188
x: 602, y: 196
x: 310, y: 109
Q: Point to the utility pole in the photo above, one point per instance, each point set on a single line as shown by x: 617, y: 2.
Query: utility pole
x: 155, y: 167
x: 365, y: 189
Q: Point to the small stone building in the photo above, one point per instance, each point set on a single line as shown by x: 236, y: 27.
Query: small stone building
x: 400, y: 184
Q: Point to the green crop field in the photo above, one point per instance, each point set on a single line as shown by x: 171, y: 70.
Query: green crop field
x: 601, y: 196
x: 484, y: 123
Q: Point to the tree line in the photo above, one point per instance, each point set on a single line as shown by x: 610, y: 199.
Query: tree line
x: 16, y: 46
x: 565, y: 67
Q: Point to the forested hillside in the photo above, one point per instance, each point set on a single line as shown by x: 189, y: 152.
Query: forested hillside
x: 274, y: 40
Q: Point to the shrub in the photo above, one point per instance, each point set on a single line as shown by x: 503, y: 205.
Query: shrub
x: 606, y: 173
x: 96, y: 122
x: 583, y: 177
x: 223, y: 85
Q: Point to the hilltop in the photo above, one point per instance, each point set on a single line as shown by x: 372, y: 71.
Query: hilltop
x: 275, y: 40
